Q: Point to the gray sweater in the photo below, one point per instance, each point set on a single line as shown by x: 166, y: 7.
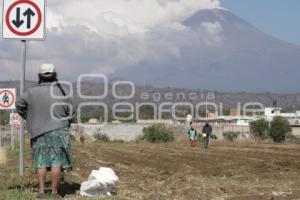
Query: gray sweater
x: 35, y: 107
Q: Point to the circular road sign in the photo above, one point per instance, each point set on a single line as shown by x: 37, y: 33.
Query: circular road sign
x: 7, y: 98
x: 16, y: 22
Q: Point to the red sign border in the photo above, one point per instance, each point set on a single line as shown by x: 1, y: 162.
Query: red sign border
x: 8, y: 91
x: 7, y: 21
x: 14, y: 122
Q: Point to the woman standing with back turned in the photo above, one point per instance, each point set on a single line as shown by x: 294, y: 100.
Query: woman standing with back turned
x: 48, y: 111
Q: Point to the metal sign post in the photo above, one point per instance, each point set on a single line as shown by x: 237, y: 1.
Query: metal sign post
x: 0, y: 135
x: 22, y: 89
x: 23, y: 20
x: 12, y: 136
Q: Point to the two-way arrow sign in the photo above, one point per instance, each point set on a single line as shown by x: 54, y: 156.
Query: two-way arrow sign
x: 17, y: 22
x: 24, y: 19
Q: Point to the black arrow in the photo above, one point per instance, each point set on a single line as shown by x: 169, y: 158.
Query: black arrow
x: 17, y: 22
x: 29, y: 13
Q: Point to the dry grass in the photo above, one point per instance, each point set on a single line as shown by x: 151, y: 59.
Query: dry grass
x: 3, y: 159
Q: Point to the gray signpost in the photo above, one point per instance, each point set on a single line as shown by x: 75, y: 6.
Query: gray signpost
x: 23, y: 20
x: 12, y: 137
x: 22, y: 125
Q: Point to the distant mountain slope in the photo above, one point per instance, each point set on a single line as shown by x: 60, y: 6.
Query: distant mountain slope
x: 229, y: 100
x: 238, y: 58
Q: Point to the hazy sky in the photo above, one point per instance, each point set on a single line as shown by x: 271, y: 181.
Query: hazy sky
x: 104, y: 36
x: 279, y: 18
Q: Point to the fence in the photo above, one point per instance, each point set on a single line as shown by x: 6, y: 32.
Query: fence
x: 8, y: 136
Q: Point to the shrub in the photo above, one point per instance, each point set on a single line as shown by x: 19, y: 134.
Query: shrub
x: 259, y: 129
x: 214, y: 137
x: 157, y: 133
x: 231, y: 135
x: 280, y: 127
x: 101, y: 137
x: 118, y: 141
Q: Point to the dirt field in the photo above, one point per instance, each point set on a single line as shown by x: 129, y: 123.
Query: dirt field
x: 241, y: 171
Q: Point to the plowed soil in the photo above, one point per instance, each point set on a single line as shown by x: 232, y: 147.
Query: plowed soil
x: 226, y: 171
x: 178, y: 171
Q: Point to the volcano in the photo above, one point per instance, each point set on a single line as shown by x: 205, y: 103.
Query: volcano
x: 220, y: 51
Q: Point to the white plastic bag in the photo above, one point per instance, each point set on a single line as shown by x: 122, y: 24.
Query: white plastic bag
x: 100, y: 182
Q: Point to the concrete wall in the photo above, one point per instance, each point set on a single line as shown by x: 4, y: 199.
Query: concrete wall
x: 296, y: 131
x: 130, y: 132
x: 217, y: 130
x: 220, y: 129
x: 5, y: 136
x: 126, y: 132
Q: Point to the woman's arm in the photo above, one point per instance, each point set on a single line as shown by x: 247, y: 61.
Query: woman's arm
x: 22, y: 105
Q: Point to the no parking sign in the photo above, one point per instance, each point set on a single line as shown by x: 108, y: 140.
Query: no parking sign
x: 23, y: 19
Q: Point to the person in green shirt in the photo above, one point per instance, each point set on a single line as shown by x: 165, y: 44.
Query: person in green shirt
x: 192, y: 133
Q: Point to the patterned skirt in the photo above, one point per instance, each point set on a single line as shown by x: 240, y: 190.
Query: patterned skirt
x: 52, y: 150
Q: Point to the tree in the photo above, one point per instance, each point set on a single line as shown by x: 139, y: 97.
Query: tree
x: 279, y: 128
x: 260, y: 129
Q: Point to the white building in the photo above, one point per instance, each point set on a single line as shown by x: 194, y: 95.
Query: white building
x: 293, y: 118
x: 271, y: 112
